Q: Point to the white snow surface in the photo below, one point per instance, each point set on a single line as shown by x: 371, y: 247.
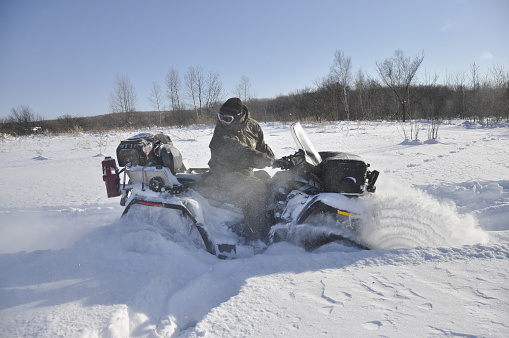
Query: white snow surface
x: 70, y: 267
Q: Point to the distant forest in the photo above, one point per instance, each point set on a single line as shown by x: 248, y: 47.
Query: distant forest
x: 395, y: 94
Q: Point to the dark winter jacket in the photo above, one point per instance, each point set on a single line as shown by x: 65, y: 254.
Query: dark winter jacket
x: 239, y: 147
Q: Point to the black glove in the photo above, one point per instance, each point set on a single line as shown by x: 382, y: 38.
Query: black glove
x: 284, y: 163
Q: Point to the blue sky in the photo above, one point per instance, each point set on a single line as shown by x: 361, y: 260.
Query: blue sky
x: 61, y: 57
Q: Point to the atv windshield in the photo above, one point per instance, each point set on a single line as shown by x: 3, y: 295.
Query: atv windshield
x: 301, y: 139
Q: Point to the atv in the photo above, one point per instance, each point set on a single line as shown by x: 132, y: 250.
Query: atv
x: 314, y: 195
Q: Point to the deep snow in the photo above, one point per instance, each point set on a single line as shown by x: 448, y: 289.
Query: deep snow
x: 69, y: 267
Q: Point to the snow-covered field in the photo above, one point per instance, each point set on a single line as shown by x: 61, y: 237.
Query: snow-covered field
x: 70, y: 268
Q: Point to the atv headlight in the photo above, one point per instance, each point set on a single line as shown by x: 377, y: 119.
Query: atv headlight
x: 156, y: 184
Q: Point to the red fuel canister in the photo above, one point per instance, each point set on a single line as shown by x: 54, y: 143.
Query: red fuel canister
x: 110, y: 176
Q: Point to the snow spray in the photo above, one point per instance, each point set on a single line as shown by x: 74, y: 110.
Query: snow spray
x: 401, y: 216
x: 110, y: 176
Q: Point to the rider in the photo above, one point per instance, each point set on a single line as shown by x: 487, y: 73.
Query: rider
x: 237, y: 147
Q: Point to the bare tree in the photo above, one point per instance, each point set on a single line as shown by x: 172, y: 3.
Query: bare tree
x: 362, y: 89
x: 500, y: 76
x: 458, y: 84
x: 341, y: 73
x: 22, y: 120
x: 195, y: 85
x: 475, y: 77
x: 398, y: 74
x: 433, y: 103
x: 123, y: 98
x: 173, y: 87
x: 156, y: 97
x: 327, y: 98
x: 243, y: 89
x: 500, y: 79
x: 214, y: 90
x: 474, y: 96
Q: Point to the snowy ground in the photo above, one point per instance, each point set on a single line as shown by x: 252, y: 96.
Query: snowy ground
x: 68, y: 267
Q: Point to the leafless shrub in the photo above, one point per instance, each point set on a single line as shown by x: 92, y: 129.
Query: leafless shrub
x: 433, y: 126
x: 411, y: 130
x: 22, y: 121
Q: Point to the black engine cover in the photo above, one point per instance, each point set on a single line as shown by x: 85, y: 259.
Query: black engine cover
x: 343, y: 172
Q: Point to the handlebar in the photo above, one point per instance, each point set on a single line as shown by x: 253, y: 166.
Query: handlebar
x: 290, y: 161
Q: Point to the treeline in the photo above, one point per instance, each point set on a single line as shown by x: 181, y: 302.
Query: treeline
x: 374, y: 101
x: 396, y: 94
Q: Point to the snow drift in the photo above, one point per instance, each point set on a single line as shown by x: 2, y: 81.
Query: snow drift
x: 70, y: 267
